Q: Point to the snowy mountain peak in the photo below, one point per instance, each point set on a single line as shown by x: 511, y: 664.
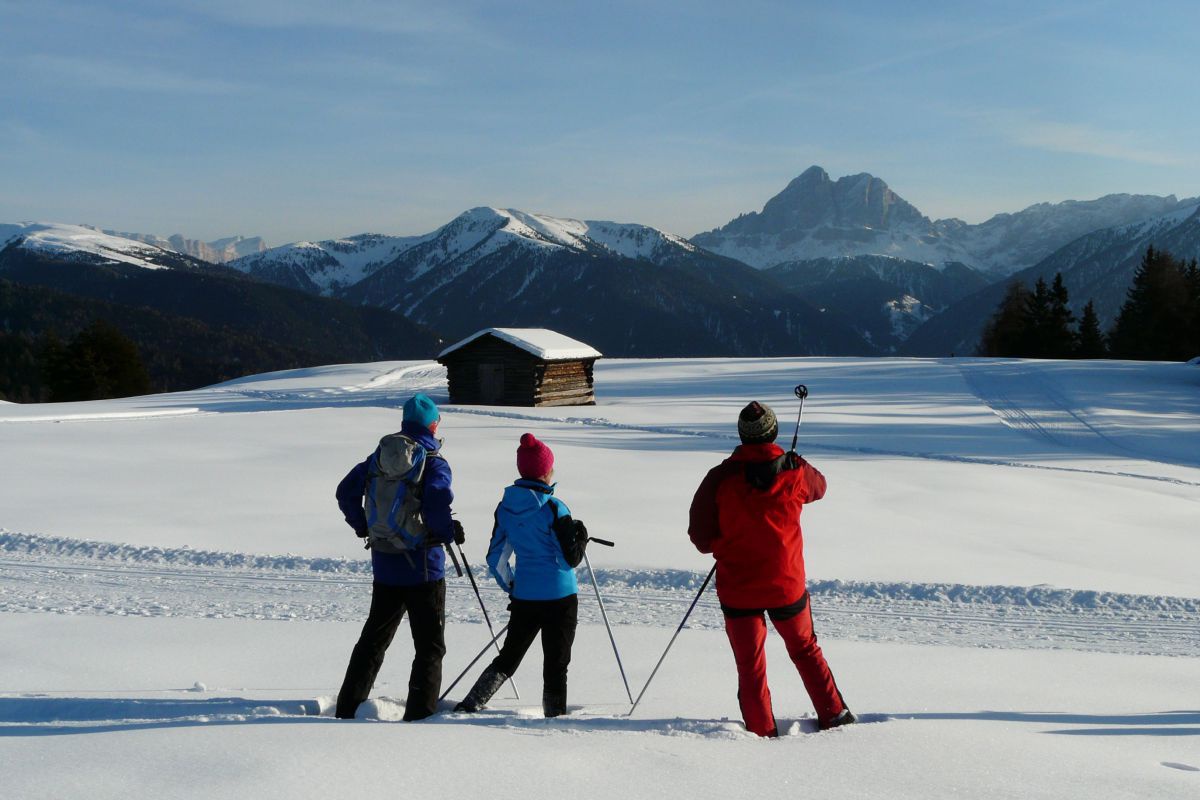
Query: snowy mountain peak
x: 513, y: 226
x: 326, y: 266
x: 83, y: 243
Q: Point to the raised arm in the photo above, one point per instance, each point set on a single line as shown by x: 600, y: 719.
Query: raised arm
x: 812, y: 482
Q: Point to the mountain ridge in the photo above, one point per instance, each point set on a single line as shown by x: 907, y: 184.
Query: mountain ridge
x: 1098, y: 266
x: 817, y: 217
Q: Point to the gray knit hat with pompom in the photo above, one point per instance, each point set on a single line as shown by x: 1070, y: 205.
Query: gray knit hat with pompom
x: 757, y: 424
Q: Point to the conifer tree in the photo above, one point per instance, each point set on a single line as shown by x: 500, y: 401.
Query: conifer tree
x: 98, y: 363
x: 1193, y: 280
x: 1038, y: 326
x: 1006, y: 333
x: 1091, y: 338
x: 1154, y: 323
x: 1060, y: 339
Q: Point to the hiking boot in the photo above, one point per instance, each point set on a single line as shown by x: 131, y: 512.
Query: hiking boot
x: 845, y: 718
x: 554, y: 704
x: 488, y: 684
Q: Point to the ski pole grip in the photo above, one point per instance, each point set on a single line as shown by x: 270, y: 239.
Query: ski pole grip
x: 604, y: 542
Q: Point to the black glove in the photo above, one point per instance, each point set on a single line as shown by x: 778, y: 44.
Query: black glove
x: 570, y: 540
x: 460, y: 535
x: 793, y: 460
x: 362, y: 533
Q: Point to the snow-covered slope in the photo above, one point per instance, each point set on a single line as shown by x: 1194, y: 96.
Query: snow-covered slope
x: 81, y: 243
x: 1002, y: 576
x: 1007, y: 243
x: 328, y: 266
x: 1100, y: 266
x: 494, y: 228
x: 332, y: 266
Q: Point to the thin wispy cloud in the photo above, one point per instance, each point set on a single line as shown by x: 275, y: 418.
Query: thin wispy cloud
x: 105, y: 74
x: 1086, y: 140
x: 369, y: 16
x: 369, y: 71
x: 1032, y: 130
x: 970, y: 39
x: 14, y: 133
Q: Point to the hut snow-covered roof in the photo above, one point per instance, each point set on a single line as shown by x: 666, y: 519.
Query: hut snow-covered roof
x: 542, y: 343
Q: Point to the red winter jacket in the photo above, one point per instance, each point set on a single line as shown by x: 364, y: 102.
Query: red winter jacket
x: 754, y: 533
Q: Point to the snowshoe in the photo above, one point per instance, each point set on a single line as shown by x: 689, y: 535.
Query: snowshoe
x: 845, y: 718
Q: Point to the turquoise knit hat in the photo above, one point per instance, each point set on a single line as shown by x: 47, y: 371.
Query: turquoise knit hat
x: 421, y: 410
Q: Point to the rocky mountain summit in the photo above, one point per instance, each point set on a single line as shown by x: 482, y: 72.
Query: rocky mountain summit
x: 816, y: 217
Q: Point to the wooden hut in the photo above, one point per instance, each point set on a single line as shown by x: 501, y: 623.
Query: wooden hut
x: 520, y: 367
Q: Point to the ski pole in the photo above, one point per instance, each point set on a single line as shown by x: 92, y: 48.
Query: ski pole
x: 462, y: 674
x: 604, y: 614
x: 682, y: 622
x: 486, y: 618
x: 457, y: 568
x: 801, y: 392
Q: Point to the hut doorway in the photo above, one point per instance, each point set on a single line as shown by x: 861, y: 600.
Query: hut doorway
x: 491, y: 383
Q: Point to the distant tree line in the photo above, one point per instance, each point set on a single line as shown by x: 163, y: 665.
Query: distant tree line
x: 97, y: 363
x: 45, y: 354
x: 1160, y: 320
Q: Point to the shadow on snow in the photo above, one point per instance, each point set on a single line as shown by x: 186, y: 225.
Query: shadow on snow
x: 65, y: 716
x: 1164, y: 723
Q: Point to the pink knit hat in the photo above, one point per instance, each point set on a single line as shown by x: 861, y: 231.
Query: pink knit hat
x: 534, y: 459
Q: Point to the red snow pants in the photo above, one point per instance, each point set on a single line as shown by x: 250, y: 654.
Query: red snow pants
x: 747, y: 631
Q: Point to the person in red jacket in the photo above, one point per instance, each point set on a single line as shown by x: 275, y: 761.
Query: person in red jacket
x: 747, y: 514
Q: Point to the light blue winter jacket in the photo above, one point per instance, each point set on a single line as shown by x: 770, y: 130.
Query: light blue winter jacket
x: 524, y: 527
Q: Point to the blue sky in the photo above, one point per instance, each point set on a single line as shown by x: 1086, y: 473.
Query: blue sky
x: 317, y: 118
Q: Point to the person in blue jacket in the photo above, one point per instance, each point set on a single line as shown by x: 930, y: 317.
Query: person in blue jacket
x: 412, y: 581
x: 548, y: 543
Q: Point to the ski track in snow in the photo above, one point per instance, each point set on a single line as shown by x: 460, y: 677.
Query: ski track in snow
x: 1026, y: 400
x: 814, y: 445
x: 71, y: 576
x: 1059, y: 426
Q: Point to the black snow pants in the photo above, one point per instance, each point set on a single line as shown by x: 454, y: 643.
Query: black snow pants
x: 556, y: 621
x: 426, y: 607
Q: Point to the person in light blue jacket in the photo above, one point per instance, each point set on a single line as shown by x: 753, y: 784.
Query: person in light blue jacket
x: 536, y: 527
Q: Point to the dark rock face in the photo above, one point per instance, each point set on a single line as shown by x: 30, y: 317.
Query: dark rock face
x: 814, y: 200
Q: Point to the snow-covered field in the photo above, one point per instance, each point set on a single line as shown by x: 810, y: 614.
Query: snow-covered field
x: 1003, y: 574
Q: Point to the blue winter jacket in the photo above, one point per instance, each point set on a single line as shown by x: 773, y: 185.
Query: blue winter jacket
x: 421, y: 566
x: 524, y: 526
